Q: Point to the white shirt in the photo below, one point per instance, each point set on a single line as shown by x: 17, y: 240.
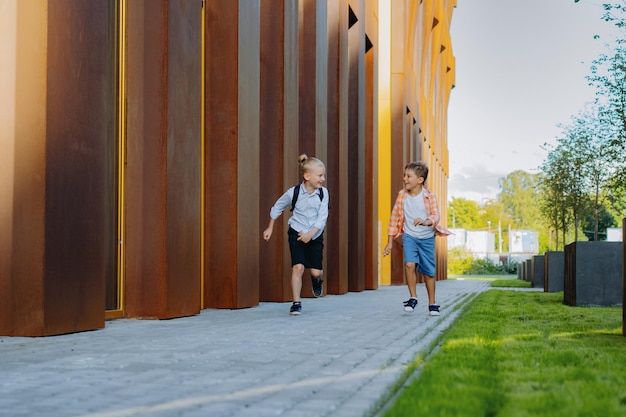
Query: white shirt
x: 309, y: 212
x: 414, y: 208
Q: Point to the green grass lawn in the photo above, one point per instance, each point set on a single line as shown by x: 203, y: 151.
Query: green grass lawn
x: 511, y: 283
x: 514, y: 354
x: 505, y: 280
x: 482, y: 277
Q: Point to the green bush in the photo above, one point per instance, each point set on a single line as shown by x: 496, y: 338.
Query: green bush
x: 483, y: 267
x: 461, y: 261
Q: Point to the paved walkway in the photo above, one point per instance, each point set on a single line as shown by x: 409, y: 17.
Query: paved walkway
x: 341, y: 357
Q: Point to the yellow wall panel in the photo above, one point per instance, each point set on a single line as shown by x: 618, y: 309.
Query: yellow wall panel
x: 425, y: 51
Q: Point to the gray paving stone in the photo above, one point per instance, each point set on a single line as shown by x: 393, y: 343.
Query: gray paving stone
x: 338, y: 359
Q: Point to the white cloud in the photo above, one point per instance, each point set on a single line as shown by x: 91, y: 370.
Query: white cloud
x: 476, y: 182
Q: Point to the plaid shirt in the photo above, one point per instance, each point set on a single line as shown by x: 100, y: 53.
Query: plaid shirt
x: 396, y: 223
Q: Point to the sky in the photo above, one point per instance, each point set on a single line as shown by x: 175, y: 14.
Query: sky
x: 520, y: 73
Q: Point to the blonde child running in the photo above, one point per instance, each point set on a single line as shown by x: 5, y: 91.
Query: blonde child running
x: 415, y: 216
x: 309, y: 201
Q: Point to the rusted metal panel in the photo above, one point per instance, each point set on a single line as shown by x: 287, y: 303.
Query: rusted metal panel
x: 228, y: 284
x: 356, y: 151
x: 307, y: 82
x: 146, y: 171
x: 80, y: 168
x: 371, y: 252
x: 184, y: 157
x: 164, y: 159
x: 221, y: 154
x: 337, y: 152
x: 248, y: 153
x: 274, y: 282
x: 23, y: 36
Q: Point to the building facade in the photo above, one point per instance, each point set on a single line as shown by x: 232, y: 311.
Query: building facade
x: 144, y: 142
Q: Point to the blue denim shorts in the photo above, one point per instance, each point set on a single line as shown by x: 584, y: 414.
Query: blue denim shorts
x: 421, y: 252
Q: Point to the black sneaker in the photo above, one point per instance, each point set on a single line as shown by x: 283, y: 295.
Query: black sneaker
x: 410, y: 304
x: 318, y: 286
x: 433, y: 310
x: 296, y: 309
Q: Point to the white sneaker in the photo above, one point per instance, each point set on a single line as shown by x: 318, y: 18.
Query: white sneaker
x: 433, y: 310
x: 410, y: 304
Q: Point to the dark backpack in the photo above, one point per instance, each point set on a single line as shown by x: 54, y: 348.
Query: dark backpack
x: 296, y: 192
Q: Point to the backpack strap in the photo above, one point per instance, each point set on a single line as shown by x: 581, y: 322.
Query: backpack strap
x: 296, y: 192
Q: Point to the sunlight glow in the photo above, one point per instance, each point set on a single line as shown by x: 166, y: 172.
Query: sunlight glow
x: 575, y: 335
x: 481, y: 341
x: 384, y: 133
x: 8, y: 51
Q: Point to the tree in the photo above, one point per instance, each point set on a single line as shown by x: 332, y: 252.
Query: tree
x: 608, y: 76
x: 593, y: 142
x: 463, y: 213
x: 494, y: 213
x: 616, y: 201
x: 614, y: 13
x: 564, y: 176
x: 580, y: 171
x: 553, y: 202
x: 606, y: 130
x: 602, y: 219
x: 520, y: 197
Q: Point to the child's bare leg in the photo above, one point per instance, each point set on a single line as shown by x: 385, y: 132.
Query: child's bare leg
x: 430, y: 288
x: 296, y: 281
x: 411, y: 278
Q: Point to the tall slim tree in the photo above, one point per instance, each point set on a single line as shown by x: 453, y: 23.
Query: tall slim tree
x: 567, y: 166
x: 593, y: 142
x: 554, y: 194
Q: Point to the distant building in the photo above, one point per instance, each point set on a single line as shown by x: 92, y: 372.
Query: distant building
x: 479, y: 242
x: 614, y: 234
x: 523, y: 241
x: 457, y: 239
x: 523, y: 244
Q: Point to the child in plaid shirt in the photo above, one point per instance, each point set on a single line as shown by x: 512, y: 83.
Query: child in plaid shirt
x: 415, y: 216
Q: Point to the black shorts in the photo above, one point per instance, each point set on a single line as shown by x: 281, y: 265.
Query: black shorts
x: 308, y: 254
